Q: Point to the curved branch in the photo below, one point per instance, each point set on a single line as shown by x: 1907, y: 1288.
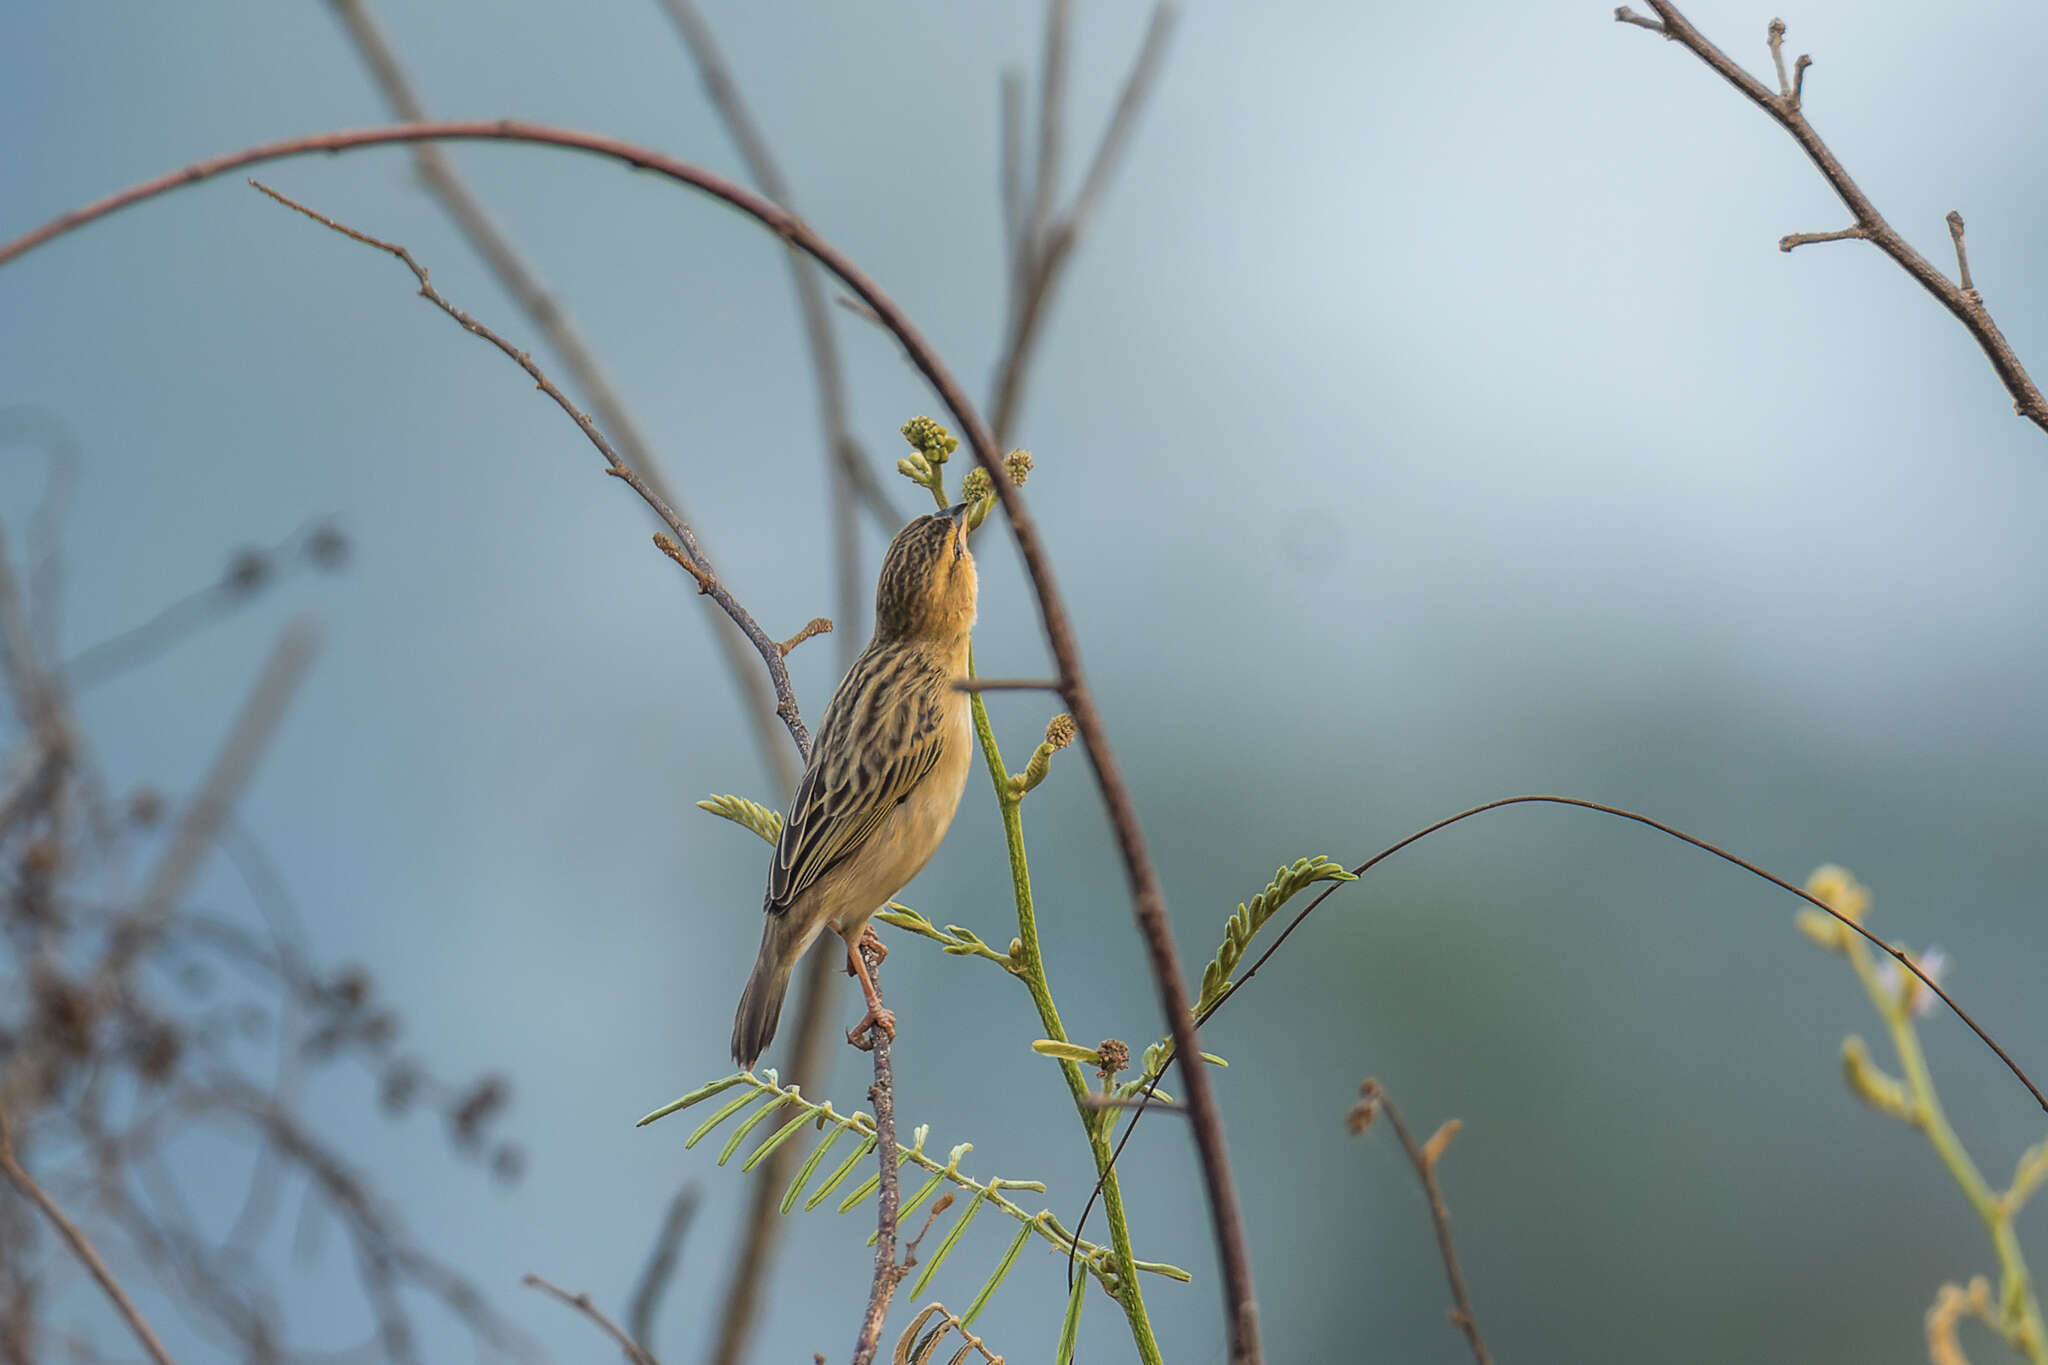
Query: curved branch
x: 1147, y: 899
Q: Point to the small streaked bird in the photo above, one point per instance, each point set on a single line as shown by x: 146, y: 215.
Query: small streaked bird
x: 886, y: 773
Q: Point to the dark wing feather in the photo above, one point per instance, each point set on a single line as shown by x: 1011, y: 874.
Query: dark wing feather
x: 890, y: 700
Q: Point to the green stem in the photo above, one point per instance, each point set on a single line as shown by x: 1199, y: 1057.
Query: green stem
x: 1031, y: 967
x: 2020, y: 1309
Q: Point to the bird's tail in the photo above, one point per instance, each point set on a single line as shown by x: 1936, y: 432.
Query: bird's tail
x: 753, y: 1028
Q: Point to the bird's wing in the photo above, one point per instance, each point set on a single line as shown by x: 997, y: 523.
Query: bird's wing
x: 880, y: 737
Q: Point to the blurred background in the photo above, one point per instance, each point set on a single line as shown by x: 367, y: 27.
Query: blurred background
x: 1427, y: 417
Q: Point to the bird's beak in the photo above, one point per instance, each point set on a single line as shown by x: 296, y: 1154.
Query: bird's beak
x: 957, y: 514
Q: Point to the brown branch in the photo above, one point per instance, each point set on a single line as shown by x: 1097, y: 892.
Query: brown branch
x: 81, y: 1247
x: 1373, y: 1100
x: 1007, y: 685
x: 881, y: 1095
x: 1148, y: 901
x: 531, y: 294
x: 660, y: 1269
x: 1784, y: 108
x: 690, y: 556
x: 1847, y: 234
x: 817, y: 625
x: 630, y: 1348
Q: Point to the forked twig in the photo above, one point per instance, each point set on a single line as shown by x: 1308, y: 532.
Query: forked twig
x: 1786, y: 109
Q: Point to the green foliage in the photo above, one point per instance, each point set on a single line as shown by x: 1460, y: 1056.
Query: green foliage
x: 756, y: 817
x: 1252, y: 915
x: 766, y: 1097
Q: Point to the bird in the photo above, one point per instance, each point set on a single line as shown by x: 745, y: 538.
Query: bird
x: 883, y: 781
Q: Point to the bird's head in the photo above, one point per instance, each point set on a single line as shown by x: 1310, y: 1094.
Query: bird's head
x: 927, y: 587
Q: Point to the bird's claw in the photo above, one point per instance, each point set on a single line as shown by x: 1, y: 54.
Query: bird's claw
x: 860, y: 1034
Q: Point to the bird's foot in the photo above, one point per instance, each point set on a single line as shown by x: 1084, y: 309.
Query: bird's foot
x: 876, y: 1018
x: 870, y: 940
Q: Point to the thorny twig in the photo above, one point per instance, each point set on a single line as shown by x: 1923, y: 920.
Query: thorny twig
x: 1148, y: 901
x: 1786, y: 108
x: 1373, y: 1101
x: 690, y: 553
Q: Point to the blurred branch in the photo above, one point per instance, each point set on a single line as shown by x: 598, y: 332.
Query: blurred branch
x: 631, y: 1349
x: 1786, y: 109
x: 1044, y: 241
x: 660, y: 1270
x: 725, y: 97
x: 1148, y: 901
x: 250, y: 572
x: 210, y: 808
x: 11, y: 1167
x: 563, y: 337
x: 1373, y: 1100
x: 689, y: 554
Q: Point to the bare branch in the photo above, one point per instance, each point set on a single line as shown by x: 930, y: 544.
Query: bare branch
x: 1963, y: 302
x: 630, y: 1348
x: 1373, y: 1100
x: 1007, y: 685
x: 690, y: 556
x: 1623, y: 14
x: 1052, y: 111
x: 82, y: 1248
x: 564, y: 338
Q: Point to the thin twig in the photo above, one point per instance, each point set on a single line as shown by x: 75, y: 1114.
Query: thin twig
x: 520, y: 280
x: 630, y: 1348
x: 1373, y: 1100
x: 660, y: 1270
x: 1007, y: 685
x: 1899, y: 955
x: 81, y: 1247
x: 690, y: 556
x: 1148, y: 902
x: 882, y: 1096
x: 1847, y: 234
x: 1784, y: 108
x: 1955, y: 232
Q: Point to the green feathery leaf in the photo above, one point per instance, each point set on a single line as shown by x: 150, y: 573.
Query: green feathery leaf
x: 752, y: 814
x: 768, y: 1096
